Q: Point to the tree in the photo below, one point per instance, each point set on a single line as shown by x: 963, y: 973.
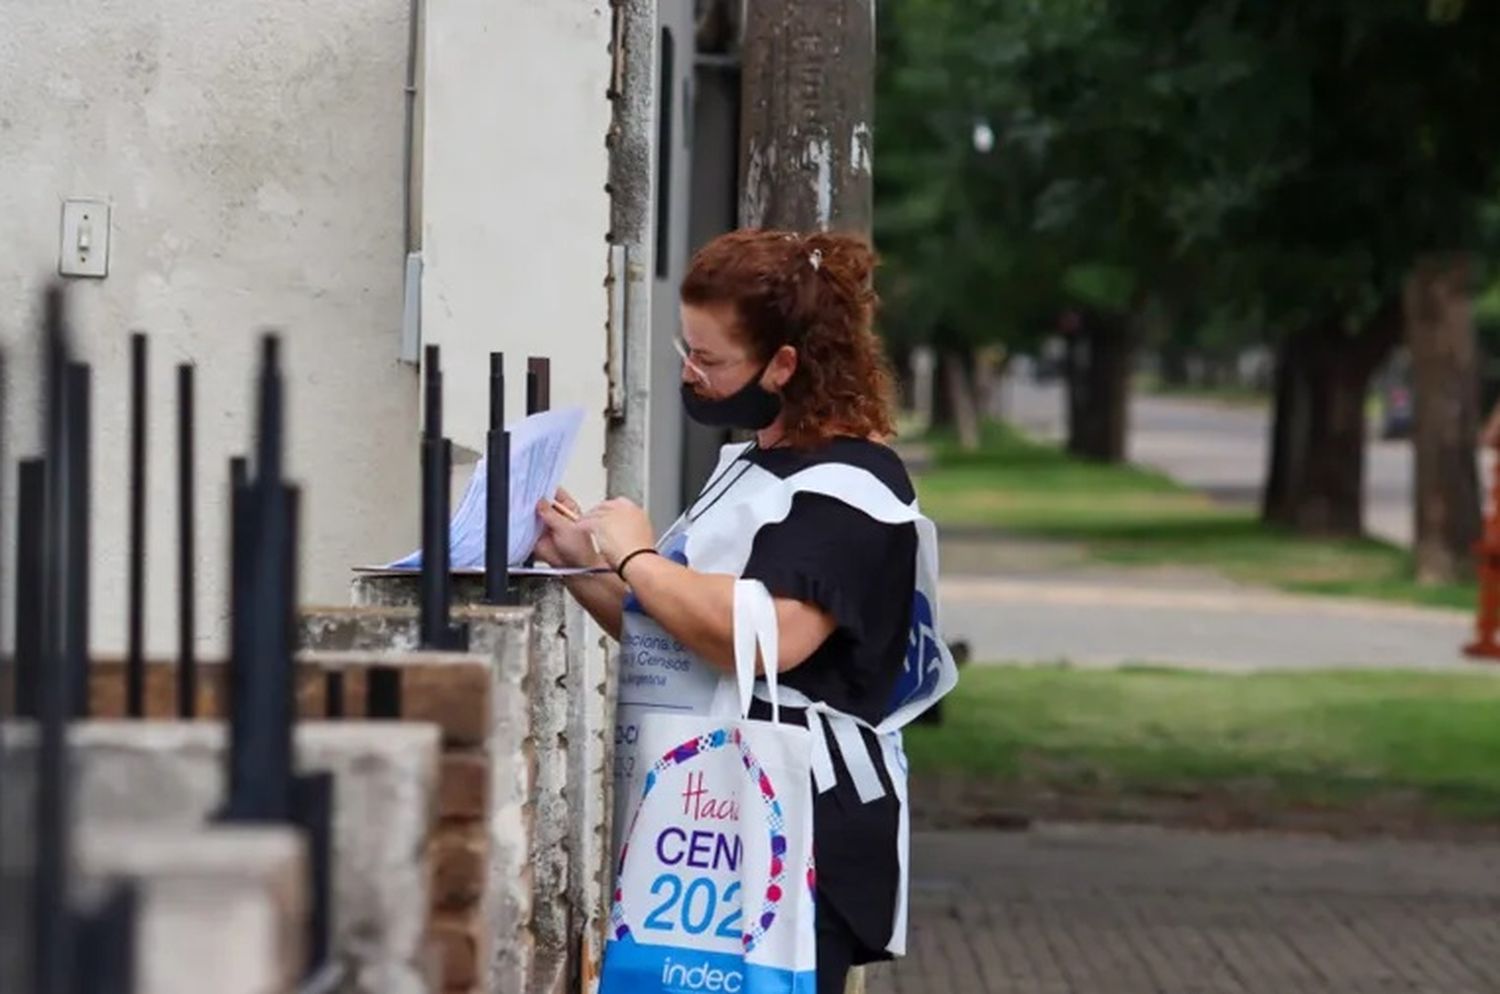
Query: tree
x: 1086, y: 209
x: 1397, y: 162
x: 1277, y: 169
x: 1440, y: 331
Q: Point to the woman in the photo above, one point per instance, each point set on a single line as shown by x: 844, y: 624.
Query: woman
x: 777, y: 340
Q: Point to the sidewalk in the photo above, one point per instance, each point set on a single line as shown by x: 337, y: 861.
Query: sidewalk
x: 1131, y: 910
x: 1114, y: 621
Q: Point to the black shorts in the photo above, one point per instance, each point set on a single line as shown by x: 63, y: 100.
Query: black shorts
x: 838, y: 950
x: 854, y: 845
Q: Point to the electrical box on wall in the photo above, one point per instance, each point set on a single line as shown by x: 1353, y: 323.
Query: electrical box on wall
x: 85, y: 238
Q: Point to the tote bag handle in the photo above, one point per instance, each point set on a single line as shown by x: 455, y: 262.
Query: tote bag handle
x: 755, y: 625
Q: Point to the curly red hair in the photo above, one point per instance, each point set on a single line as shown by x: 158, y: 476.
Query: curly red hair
x: 814, y: 292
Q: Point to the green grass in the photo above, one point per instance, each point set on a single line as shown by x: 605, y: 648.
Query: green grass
x: 1321, y: 738
x: 1132, y: 516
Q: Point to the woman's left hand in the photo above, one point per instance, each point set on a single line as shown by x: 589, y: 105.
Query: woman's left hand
x: 619, y: 528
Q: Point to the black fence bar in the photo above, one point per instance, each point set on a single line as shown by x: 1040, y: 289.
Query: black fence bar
x: 383, y: 692
x: 538, y: 391
x: 333, y: 694
x: 291, y: 498
x: 437, y: 577
x: 135, y: 659
x: 241, y: 643
x: 31, y: 504
x: 272, y: 691
x: 538, y: 384
x: 497, y: 491
x: 106, y: 943
x: 77, y: 503
x: 272, y: 605
x: 187, y: 661
x: 239, y: 758
x: 52, y: 933
x: 312, y: 793
x: 74, y: 949
x: 261, y: 704
x: 312, y: 803
x: 262, y: 699
x: 436, y: 581
x: 239, y: 567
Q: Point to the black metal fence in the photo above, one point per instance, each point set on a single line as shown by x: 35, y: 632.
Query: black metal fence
x: 61, y: 946
x: 437, y: 630
x: 56, y: 945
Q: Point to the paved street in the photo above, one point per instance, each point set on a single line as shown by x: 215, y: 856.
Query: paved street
x: 1136, y: 910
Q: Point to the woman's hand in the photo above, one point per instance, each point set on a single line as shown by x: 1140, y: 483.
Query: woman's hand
x: 565, y: 542
x: 619, y: 528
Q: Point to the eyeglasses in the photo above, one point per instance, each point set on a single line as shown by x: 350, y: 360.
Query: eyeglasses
x: 687, y: 363
x: 702, y: 371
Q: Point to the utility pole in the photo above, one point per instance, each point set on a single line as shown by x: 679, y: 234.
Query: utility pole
x: 807, y: 106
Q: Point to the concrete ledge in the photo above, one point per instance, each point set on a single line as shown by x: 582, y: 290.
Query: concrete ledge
x: 165, y: 774
x: 571, y: 688
x: 505, y: 939
x: 448, y: 689
x: 222, y: 908
x: 451, y: 690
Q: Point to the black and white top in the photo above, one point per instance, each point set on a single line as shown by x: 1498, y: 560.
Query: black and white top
x: 862, y: 572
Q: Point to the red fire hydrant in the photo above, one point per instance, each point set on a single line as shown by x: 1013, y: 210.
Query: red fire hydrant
x: 1487, y: 550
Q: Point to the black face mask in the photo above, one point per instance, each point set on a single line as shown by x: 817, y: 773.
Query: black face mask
x: 750, y: 408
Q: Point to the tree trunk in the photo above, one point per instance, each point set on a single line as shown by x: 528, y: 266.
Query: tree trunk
x: 1098, y: 365
x: 990, y: 364
x: 958, y: 384
x: 1276, y: 497
x: 1315, y: 477
x: 1173, y: 363
x: 809, y: 98
x: 953, y: 397
x: 1445, y: 398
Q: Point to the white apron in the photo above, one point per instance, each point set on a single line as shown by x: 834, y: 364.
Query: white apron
x: 656, y: 672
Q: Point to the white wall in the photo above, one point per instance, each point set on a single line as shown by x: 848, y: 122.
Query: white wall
x: 515, y: 211
x: 253, y: 154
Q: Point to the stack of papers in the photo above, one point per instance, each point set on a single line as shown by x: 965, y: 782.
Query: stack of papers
x: 539, y: 449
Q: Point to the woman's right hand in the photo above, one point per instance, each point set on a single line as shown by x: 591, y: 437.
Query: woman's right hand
x: 565, y: 543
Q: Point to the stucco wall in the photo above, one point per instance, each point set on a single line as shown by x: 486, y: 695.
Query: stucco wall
x: 515, y: 211
x: 253, y: 155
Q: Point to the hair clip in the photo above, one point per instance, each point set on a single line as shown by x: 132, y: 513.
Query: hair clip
x: 816, y: 258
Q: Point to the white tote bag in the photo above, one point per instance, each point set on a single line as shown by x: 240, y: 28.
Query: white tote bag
x: 714, y: 890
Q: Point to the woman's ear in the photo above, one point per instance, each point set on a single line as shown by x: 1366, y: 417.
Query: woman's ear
x: 779, y: 371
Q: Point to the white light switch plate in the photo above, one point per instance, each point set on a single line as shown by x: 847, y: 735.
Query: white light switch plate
x: 85, y: 238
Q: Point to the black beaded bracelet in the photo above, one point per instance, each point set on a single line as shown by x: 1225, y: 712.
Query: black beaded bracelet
x: 620, y: 569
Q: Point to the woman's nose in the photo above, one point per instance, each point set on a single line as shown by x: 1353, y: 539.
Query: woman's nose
x: 694, y: 377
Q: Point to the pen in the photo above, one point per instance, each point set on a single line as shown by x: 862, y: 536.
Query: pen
x: 572, y: 515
